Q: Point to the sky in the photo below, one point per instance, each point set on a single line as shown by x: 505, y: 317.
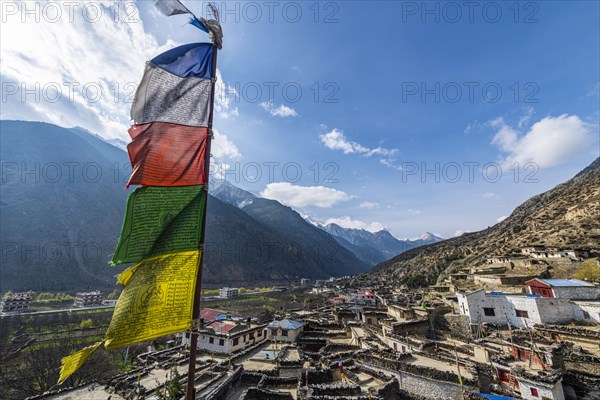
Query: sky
x: 408, y: 116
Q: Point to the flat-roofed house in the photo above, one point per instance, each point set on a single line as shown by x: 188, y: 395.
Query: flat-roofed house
x: 516, y: 309
x: 286, y: 330
x: 563, y: 289
x: 227, y: 336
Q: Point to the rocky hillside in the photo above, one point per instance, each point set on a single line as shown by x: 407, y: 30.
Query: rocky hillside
x: 566, y: 216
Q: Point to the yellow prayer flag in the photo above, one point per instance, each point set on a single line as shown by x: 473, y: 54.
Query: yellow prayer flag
x: 73, y: 362
x: 157, y: 300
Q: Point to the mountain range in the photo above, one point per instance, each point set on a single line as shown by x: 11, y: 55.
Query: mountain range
x: 370, y: 247
x: 566, y: 216
x: 62, y: 206
x: 375, y: 247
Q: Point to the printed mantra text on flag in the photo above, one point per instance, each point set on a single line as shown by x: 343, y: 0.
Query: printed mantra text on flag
x: 160, y: 220
x: 164, y: 154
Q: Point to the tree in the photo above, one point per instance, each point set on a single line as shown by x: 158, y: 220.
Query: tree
x: 86, y: 324
x: 35, y: 371
x: 588, y: 271
x: 45, y: 296
x: 174, y: 388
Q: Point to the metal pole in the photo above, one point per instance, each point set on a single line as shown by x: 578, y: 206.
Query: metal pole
x: 191, y: 390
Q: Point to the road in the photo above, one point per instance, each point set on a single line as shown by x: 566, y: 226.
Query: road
x: 73, y: 309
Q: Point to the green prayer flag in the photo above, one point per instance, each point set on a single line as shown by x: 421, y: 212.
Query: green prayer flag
x: 160, y: 220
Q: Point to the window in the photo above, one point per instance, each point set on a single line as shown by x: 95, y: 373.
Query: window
x: 534, y: 392
x: 221, y: 342
x: 259, y: 333
x: 503, y: 375
x: 284, y: 332
x: 236, y: 341
x: 211, y: 340
x: 586, y: 315
x: 522, y: 313
x: 489, y: 311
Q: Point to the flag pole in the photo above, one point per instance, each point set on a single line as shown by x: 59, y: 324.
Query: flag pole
x: 191, y: 389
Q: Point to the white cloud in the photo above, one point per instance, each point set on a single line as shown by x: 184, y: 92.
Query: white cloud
x: 390, y: 162
x: 594, y: 91
x: 502, y: 218
x: 368, y: 205
x: 223, y: 98
x: 347, y: 222
x: 489, y: 195
x: 303, y: 196
x: 281, y: 111
x: 218, y: 171
x: 412, y: 211
x: 524, y: 120
x: 223, y: 147
x: 471, y: 126
x: 95, y: 66
x: 549, y: 142
x: 461, y: 232
x: 335, y: 140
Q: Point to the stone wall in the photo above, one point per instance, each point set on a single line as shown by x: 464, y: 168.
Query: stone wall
x: 318, y: 377
x: 264, y: 394
x: 311, y: 345
x: 334, y: 389
x: 418, y: 327
x: 279, y: 381
x: 432, y: 373
x: 251, y: 378
x: 335, y: 348
x: 423, y: 387
x: 391, y: 391
x: 457, y: 325
x: 227, y: 384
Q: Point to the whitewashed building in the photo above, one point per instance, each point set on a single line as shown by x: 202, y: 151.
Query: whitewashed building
x: 17, y: 302
x: 227, y: 336
x: 228, y: 293
x: 523, y: 310
x: 88, y: 299
x: 534, y: 390
x: 362, y: 297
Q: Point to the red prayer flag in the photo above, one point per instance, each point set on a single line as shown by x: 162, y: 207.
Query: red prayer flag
x: 167, y: 154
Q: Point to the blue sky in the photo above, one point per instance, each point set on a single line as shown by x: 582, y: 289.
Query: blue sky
x: 366, y: 98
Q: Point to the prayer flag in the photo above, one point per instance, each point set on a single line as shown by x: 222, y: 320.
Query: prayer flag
x: 157, y: 299
x: 160, y: 220
x: 165, y: 154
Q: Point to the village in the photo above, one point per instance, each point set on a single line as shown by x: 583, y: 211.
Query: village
x: 487, y: 332
x: 325, y: 200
